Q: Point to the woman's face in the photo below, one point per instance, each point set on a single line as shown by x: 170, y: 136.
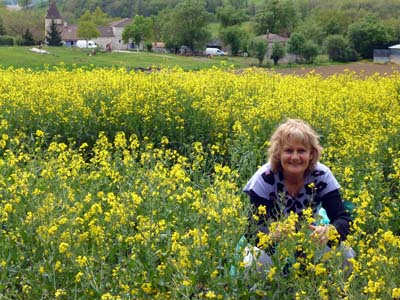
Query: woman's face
x: 295, y: 158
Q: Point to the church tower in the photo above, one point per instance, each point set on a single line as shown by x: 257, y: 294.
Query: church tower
x: 52, y: 14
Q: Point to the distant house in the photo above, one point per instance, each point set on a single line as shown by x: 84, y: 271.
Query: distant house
x: 109, y: 35
x: 273, y: 38
x: 158, y: 47
x: 392, y: 54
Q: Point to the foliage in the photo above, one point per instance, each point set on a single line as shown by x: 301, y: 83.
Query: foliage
x: 6, y: 40
x: 367, y: 34
x: 53, y: 36
x: 229, y: 16
x: 234, y: 36
x: 278, y: 16
x: 27, y: 38
x: 338, y: 48
x: 185, y: 25
x: 24, y: 3
x: 2, y: 29
x: 16, y: 22
x: 309, y: 51
x: 258, y: 48
x: 278, y: 52
x: 296, y: 43
x: 312, y: 30
x: 87, y: 28
x: 139, y: 30
x: 99, y: 17
x: 119, y: 185
x: 305, y: 50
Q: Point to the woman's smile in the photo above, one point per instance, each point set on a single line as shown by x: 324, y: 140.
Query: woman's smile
x: 295, y: 158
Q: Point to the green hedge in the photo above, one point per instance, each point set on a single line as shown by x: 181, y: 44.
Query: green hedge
x: 6, y: 40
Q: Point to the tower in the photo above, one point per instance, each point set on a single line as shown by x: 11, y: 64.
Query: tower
x: 52, y: 14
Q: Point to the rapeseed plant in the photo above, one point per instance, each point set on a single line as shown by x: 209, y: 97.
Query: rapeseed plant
x: 124, y: 185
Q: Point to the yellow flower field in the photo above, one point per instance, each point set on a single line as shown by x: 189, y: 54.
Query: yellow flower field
x: 127, y: 185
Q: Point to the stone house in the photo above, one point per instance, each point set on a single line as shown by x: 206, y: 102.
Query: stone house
x: 273, y: 38
x: 111, y: 35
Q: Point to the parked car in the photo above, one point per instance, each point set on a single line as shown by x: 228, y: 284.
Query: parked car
x: 86, y: 44
x: 215, y: 51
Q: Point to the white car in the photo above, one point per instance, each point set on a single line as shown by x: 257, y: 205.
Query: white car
x: 86, y: 44
x: 215, y: 51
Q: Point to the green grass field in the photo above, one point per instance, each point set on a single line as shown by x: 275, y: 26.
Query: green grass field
x: 21, y: 57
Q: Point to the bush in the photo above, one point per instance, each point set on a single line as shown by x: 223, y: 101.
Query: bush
x: 278, y: 51
x: 18, y: 41
x: 6, y: 40
x: 27, y: 38
x: 310, y: 51
x: 338, y: 48
x: 258, y: 49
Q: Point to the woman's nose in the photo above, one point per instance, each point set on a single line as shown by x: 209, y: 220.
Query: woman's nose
x: 295, y: 155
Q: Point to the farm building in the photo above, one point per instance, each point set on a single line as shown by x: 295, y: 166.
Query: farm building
x: 392, y: 54
x: 273, y: 38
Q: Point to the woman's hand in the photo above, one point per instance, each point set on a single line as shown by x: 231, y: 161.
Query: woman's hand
x: 321, y: 233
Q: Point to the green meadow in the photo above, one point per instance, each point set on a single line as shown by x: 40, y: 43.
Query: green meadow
x: 22, y: 57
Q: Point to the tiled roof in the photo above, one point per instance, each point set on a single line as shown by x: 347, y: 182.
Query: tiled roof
x: 52, y: 12
x: 272, y: 38
x: 69, y: 32
x: 121, y: 23
x: 105, y: 31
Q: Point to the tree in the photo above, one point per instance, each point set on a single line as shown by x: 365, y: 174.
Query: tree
x: 16, y: 22
x: 312, y: 30
x: 53, y: 36
x: 2, y: 29
x: 139, y: 30
x: 229, y: 16
x: 186, y: 25
x: 338, y: 48
x: 238, y: 3
x: 278, y: 51
x: 27, y: 38
x: 24, y: 3
x: 295, y: 44
x: 278, y: 16
x: 309, y: 51
x: 258, y: 48
x: 213, y: 5
x: 233, y: 36
x: 305, y: 50
x: 368, y: 33
x: 99, y: 18
x: 87, y: 28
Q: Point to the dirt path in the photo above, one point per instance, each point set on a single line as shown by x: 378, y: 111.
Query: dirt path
x: 361, y: 68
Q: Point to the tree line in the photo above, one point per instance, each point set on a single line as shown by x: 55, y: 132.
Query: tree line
x: 344, y: 30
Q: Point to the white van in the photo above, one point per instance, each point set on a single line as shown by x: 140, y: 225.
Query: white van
x: 85, y: 44
x: 215, y: 51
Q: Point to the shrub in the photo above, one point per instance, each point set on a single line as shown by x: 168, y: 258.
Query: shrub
x: 6, y: 40
x: 338, y: 48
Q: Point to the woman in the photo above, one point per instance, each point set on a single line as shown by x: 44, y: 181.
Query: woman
x: 293, y: 180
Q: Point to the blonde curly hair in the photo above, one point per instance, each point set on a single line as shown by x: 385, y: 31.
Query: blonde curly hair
x: 289, y: 131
